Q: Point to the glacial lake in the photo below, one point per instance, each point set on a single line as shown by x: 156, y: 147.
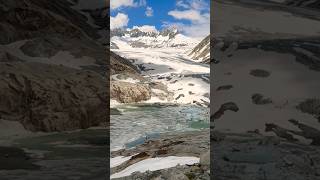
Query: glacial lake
x: 144, y: 121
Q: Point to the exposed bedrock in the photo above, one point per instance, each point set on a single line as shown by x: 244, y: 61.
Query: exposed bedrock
x: 52, y: 98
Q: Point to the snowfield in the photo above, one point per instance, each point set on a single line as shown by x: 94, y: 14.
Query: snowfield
x: 154, y: 164
x: 187, y: 79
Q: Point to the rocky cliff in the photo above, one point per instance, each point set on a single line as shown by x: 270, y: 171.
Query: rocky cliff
x: 52, y: 65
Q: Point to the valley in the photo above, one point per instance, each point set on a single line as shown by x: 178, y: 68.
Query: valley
x: 161, y: 92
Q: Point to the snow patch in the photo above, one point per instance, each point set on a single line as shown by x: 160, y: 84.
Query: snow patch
x: 154, y: 164
x: 116, y: 161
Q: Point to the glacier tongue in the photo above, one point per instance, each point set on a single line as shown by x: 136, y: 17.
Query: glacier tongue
x: 186, y: 79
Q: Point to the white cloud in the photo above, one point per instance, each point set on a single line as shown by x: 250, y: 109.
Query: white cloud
x: 199, y: 5
x: 195, y: 11
x: 199, y: 27
x: 119, y: 21
x: 149, y: 11
x: 116, y: 4
x: 192, y: 4
x: 191, y: 15
x: 181, y: 3
x: 146, y: 28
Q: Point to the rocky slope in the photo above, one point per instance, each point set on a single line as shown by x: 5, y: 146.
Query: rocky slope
x: 191, y: 144
x: 122, y: 90
x: 51, y: 98
x: 52, y: 65
x: 202, y: 51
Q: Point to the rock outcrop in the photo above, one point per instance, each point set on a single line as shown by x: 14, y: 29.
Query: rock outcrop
x: 52, y: 98
x: 194, y: 144
x: 126, y: 92
x: 202, y: 51
x: 120, y: 65
x: 65, y: 93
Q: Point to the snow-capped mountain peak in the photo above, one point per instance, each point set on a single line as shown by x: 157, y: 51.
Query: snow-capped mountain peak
x: 149, y: 37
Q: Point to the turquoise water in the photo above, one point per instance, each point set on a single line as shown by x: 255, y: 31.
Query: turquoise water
x: 139, y: 122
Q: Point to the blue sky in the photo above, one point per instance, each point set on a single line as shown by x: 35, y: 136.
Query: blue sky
x: 191, y: 17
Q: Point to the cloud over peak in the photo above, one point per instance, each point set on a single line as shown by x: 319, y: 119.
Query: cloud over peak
x: 119, y: 21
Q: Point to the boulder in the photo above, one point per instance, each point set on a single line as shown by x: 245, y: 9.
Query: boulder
x: 126, y: 92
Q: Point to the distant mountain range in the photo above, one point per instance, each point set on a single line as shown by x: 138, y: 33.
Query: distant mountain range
x: 142, y: 38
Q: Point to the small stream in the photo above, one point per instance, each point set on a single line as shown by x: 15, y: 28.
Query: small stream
x: 144, y: 121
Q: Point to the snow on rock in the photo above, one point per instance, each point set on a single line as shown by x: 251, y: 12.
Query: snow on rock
x: 201, y: 52
x: 154, y: 164
x: 116, y: 161
x: 149, y: 37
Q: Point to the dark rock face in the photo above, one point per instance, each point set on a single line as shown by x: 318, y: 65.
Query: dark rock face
x: 51, y: 98
x: 280, y: 132
x: 202, y: 50
x: 260, y: 73
x: 13, y: 158
x: 7, y: 57
x: 28, y: 19
x: 260, y: 100
x: 225, y: 87
x: 119, y: 64
x: 310, y: 106
x: 46, y: 97
x: 224, y: 107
